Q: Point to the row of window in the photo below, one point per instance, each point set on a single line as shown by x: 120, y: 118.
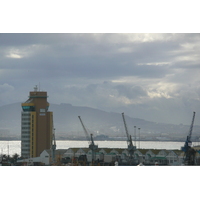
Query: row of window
x: 28, y: 108
x: 25, y: 132
x: 26, y: 123
x: 32, y: 135
x: 26, y: 119
x: 25, y: 153
x: 25, y: 145
x: 25, y: 139
x: 25, y: 114
x: 25, y: 128
x: 25, y: 149
x: 25, y: 136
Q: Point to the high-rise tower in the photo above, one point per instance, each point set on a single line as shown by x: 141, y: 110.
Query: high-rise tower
x: 36, y: 125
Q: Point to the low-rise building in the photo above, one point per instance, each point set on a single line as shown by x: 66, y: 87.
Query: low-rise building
x: 139, y: 155
x: 175, y: 157
x: 108, y: 156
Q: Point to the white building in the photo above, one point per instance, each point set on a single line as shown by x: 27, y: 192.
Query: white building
x: 175, y: 157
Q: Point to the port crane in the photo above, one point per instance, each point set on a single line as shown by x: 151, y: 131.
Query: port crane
x: 92, y: 145
x: 131, y: 148
x: 53, y: 147
x: 189, y: 153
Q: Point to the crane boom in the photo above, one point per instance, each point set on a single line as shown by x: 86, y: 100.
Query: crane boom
x: 189, y: 152
x: 92, y: 146
x: 131, y: 148
x: 191, y: 127
x: 85, y: 130
x: 125, y: 126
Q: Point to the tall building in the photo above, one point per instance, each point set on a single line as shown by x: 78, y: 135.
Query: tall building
x: 36, y: 125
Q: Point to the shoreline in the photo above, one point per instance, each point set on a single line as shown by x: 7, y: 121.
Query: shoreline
x: 76, y: 139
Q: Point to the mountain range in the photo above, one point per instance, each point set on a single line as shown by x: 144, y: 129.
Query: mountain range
x: 102, y: 124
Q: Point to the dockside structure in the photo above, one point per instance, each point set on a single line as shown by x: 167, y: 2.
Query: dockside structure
x: 108, y: 156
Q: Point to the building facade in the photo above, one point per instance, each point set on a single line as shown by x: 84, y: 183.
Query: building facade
x: 36, y: 125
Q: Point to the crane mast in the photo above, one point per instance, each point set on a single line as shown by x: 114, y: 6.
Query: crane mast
x: 53, y: 146
x: 191, y: 127
x: 131, y: 148
x: 189, y: 152
x: 92, y: 145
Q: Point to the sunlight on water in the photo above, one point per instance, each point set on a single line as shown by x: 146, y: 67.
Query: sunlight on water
x: 12, y: 147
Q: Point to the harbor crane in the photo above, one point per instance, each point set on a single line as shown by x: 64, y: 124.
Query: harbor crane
x: 53, y: 147
x: 92, y: 146
x: 131, y: 148
x: 189, y: 152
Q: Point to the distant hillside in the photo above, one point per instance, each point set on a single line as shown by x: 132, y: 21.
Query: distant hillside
x: 102, y: 124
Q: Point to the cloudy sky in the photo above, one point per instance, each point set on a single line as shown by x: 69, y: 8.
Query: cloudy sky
x: 155, y: 77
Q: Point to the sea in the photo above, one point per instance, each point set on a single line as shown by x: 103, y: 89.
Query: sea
x: 12, y: 147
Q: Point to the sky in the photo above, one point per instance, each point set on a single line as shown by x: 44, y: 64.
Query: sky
x: 155, y: 77
x: 149, y: 76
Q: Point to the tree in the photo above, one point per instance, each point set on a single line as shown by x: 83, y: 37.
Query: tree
x: 14, y: 158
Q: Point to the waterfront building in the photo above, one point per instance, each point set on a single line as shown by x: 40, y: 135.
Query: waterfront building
x: 116, y: 151
x: 81, y: 151
x: 70, y: 153
x: 45, y: 158
x: 36, y: 125
x: 150, y: 155
x: 105, y: 150
x: 108, y: 156
x: 175, y: 157
x: 139, y: 155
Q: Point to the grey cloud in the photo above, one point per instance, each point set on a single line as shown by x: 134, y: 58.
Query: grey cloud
x: 79, y: 69
x: 94, y: 59
x: 130, y: 92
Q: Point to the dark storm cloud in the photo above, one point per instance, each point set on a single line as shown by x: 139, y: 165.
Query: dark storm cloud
x: 82, y: 55
x: 25, y: 39
x: 13, y: 39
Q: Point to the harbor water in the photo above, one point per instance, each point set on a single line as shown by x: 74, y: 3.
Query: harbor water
x: 12, y: 147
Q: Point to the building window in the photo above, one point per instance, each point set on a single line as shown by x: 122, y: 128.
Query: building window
x: 28, y: 108
x: 26, y: 123
x: 42, y: 110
